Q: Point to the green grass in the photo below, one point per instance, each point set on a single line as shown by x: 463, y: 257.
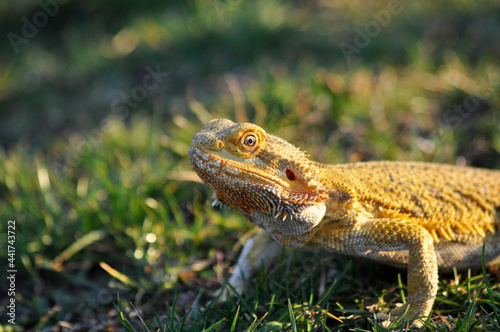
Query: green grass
x: 115, y: 231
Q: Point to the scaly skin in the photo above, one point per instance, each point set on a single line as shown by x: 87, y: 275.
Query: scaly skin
x: 416, y: 215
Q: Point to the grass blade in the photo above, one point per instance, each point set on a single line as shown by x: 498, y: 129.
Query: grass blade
x: 233, y: 326
x: 292, y: 317
x: 123, y: 319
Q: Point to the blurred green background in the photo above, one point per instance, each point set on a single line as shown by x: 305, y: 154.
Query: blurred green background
x: 99, y: 101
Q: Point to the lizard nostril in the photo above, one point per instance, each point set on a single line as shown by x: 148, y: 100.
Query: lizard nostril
x: 220, y: 145
x: 290, y: 175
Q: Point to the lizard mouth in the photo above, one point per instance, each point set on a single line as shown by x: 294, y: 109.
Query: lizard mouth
x: 202, y: 159
x: 210, y: 167
x: 265, y: 200
x: 225, y: 175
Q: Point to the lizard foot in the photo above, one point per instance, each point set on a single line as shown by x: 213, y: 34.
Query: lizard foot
x: 388, y: 317
x: 225, y: 293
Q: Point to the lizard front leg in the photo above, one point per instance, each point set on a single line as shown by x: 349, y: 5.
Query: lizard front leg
x: 367, y: 238
x: 258, y: 251
x: 422, y: 263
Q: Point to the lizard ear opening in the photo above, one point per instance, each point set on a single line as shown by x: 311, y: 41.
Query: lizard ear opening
x: 290, y: 175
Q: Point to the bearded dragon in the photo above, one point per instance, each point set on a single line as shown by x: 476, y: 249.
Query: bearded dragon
x: 419, y: 216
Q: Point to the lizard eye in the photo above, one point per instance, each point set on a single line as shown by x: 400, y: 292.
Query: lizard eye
x: 290, y: 175
x: 250, y: 141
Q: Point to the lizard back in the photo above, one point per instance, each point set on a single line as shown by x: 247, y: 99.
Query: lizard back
x: 453, y: 203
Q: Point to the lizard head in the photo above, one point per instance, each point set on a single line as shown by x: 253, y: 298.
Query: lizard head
x: 262, y: 176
